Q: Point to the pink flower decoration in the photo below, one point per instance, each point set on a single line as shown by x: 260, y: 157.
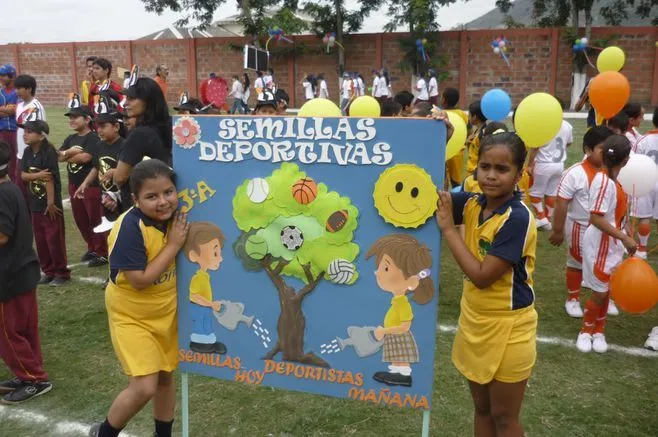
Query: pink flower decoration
x: 187, y: 132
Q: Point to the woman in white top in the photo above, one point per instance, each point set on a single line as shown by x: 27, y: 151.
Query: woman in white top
x: 259, y: 83
x: 422, y: 94
x: 323, y: 92
x: 361, y: 86
x: 236, y: 92
x: 347, y: 92
x: 246, y: 92
x: 309, y: 83
x: 375, y: 83
x: 387, y: 82
x: 433, y: 87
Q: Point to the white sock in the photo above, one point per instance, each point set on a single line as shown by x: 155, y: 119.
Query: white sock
x: 405, y: 370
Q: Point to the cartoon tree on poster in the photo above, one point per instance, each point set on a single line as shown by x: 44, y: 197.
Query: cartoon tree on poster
x: 294, y: 227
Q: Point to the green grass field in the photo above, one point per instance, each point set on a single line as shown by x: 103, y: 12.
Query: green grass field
x: 570, y: 394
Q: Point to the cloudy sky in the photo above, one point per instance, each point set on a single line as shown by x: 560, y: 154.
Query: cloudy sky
x: 66, y: 20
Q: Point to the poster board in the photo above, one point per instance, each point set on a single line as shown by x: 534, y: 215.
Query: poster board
x: 300, y: 203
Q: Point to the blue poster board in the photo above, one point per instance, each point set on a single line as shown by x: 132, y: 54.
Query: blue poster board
x: 312, y: 262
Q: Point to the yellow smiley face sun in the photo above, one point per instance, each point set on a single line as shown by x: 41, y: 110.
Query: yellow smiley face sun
x: 405, y: 196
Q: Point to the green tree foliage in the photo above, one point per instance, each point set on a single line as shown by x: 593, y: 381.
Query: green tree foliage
x: 261, y: 247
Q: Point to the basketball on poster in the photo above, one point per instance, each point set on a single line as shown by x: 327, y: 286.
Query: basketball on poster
x: 304, y: 216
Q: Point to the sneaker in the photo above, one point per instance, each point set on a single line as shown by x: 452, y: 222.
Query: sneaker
x: 88, y: 256
x: 94, y: 430
x: 612, y: 308
x: 544, y: 225
x: 599, y: 345
x: 642, y: 254
x: 44, y: 280
x: 652, y: 340
x: 59, y: 281
x: 98, y: 261
x: 584, y: 342
x: 26, y: 392
x: 10, y: 385
x: 573, y: 308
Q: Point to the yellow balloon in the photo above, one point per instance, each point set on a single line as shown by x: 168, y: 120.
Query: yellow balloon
x: 365, y: 106
x: 457, y: 142
x: 538, y: 119
x: 319, y: 108
x: 611, y: 59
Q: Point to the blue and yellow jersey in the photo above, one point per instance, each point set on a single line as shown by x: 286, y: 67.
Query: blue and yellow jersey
x: 135, y: 240
x: 471, y: 184
x: 510, y: 234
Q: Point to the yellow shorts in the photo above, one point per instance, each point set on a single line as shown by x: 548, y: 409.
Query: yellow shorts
x: 501, y: 348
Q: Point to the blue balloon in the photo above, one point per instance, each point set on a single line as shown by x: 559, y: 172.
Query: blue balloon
x: 496, y: 104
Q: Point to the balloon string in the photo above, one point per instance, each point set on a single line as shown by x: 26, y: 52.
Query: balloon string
x: 588, y: 60
x: 268, y: 43
x: 505, y: 58
x: 340, y: 45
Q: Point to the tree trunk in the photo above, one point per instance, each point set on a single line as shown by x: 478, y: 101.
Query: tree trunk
x: 338, y: 4
x: 291, y: 327
x: 588, y: 20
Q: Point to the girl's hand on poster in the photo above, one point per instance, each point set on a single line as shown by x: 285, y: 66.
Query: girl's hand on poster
x: 444, y: 216
x: 52, y: 211
x: 379, y: 333
x: 216, y: 306
x: 179, y: 229
x: 443, y: 116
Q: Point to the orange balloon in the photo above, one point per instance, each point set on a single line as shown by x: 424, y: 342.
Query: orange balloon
x: 634, y: 286
x: 609, y: 92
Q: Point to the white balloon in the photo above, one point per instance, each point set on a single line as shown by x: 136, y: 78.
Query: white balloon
x: 584, y: 41
x: 496, y: 50
x: 639, y: 175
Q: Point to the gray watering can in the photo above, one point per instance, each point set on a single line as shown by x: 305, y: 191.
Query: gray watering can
x: 362, y: 338
x: 230, y: 314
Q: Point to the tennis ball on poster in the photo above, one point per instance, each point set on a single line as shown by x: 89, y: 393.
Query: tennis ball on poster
x: 340, y: 271
x: 257, y: 190
x: 256, y: 247
x: 305, y: 191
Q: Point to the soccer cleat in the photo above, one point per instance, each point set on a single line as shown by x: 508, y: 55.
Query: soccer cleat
x: 642, y: 254
x: 97, y: 261
x: 572, y: 306
x: 44, y: 280
x: 544, y: 224
x: 26, y: 392
x: 612, y: 308
x: 10, y: 385
x: 599, y: 345
x: 584, y: 342
x: 58, y: 281
x: 88, y: 256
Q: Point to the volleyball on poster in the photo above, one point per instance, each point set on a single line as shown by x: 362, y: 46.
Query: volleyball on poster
x: 296, y: 271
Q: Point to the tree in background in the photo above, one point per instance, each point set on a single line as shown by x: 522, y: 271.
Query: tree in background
x: 292, y: 227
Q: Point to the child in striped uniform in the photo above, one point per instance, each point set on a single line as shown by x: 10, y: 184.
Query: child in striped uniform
x: 604, y: 241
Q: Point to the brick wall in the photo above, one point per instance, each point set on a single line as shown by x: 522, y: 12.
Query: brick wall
x: 540, y: 61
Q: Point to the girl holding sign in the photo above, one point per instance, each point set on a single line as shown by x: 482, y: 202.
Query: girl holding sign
x: 141, y: 299
x: 495, y: 345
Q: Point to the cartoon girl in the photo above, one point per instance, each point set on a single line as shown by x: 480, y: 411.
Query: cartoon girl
x: 403, y: 267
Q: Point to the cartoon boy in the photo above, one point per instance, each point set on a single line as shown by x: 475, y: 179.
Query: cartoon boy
x: 403, y: 267
x: 204, y: 247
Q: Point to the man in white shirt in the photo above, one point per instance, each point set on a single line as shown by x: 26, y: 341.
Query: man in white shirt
x: 360, y: 84
x: 322, y: 84
x: 346, y: 93
x: 375, y: 84
x: 236, y: 93
x: 26, y: 88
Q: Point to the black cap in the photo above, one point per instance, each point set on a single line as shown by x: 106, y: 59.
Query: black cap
x: 108, y: 117
x: 38, y: 126
x: 81, y: 111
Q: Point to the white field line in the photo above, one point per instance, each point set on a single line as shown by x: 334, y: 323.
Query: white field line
x: 633, y: 351
x: 63, y: 428
x: 89, y: 279
x: 74, y: 265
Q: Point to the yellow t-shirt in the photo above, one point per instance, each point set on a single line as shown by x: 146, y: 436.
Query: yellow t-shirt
x: 473, y: 151
x: 200, y: 285
x: 471, y: 185
x: 400, y: 311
